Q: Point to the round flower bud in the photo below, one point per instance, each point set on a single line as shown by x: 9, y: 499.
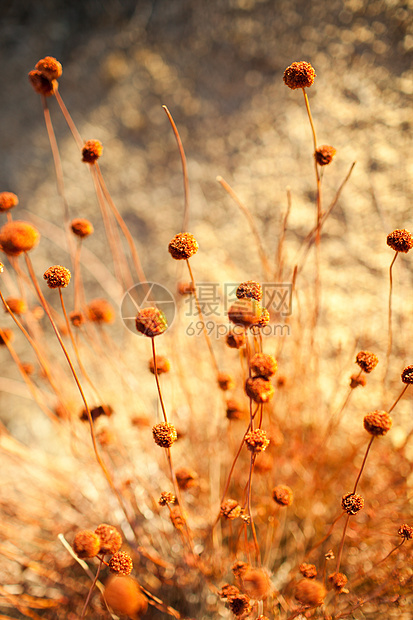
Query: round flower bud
x: 166, y: 498
x: 239, y: 568
x: 100, y: 311
x: 324, y: 155
x: 6, y: 335
x: 57, y: 276
x: 183, y: 246
x: 124, y: 596
x: 256, y: 584
x: 225, y: 381
x: 367, y: 361
x: 352, y: 503
x: 49, y: 67
x: 282, y: 495
x: 228, y: 591
x: 377, y: 423
x: 164, y: 434
x: 245, y: 312
x: 264, y: 318
x: 338, y: 581
x: 8, y: 200
x: 86, y: 544
x: 406, y: 531
x: 249, y: 290
x: 163, y: 365
x: 239, y: 604
x: 77, y: 319
x: 230, y: 509
x: 110, y: 538
x: 186, y: 478
x: 151, y: 322
x: 356, y: 380
x: 259, y: 389
x: 235, y: 339
x: 407, y: 375
x: 16, y: 305
x: 308, y: 571
x: 299, y: 75
x: 400, y: 240
x: 41, y: 85
x: 81, y: 227
x: 256, y: 440
x: 17, y: 237
x: 91, y: 151
x: 121, y: 563
x: 310, y: 592
x: 263, y: 365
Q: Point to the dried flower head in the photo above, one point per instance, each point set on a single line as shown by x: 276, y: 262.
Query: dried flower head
x: 225, y: 381
x: 249, y: 290
x: 16, y: 305
x: 100, y: 311
x: 256, y: 583
x: 121, y: 563
x: 259, y: 389
x: 337, y: 581
x: 6, y: 335
x: 256, y: 440
x: 40, y: 83
x: 91, y: 151
x: 186, y: 478
x: 81, y: 227
x: 299, y: 75
x: 8, y: 200
x: 17, y: 237
x: 151, y: 322
x: 357, y: 380
x: 183, y: 246
x: 57, y: 276
x: 230, y: 509
x: 239, y: 568
x: 264, y: 318
x: 86, y: 544
x: 164, y: 434
x: 163, y: 365
x: 377, y: 423
x: 177, y: 518
x: 166, y: 498
x: 77, y: 319
x: 308, y: 571
x: 239, y: 604
x: 367, y: 361
x: 110, y: 538
x: 407, y: 375
x: 324, y: 155
x: 235, y: 338
x: 234, y: 410
x: 263, y: 365
x: 245, y: 312
x: 400, y: 240
x: 228, y: 591
x: 282, y: 495
x: 310, y: 592
x: 329, y: 555
x: 406, y: 531
x: 124, y: 596
x: 352, y: 503
x: 49, y: 67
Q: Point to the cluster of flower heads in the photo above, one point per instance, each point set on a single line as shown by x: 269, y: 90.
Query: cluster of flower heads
x: 105, y: 540
x: 44, y: 76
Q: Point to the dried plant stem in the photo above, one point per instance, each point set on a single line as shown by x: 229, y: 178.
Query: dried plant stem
x: 249, y: 495
x: 363, y: 464
x: 340, y: 550
x: 361, y: 579
x: 155, y: 372
x: 184, y: 168
x: 69, y: 120
x: 398, y: 398
x: 78, y: 288
x: 92, y: 587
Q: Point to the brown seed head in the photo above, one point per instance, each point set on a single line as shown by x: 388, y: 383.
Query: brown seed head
x: 186, y: 478
x: 124, y: 596
x: 234, y: 410
x: 239, y: 604
x: 163, y: 365
x: 151, y: 322
x: 235, y: 338
x: 249, y: 290
x: 337, y: 581
x: 6, y: 335
x: 259, y: 389
x: 377, y: 423
x: 308, y: 571
x: 310, y: 592
x: 299, y: 75
x: 8, y: 200
x: 81, y: 227
x: 230, y: 509
x: 183, y: 246
x: 367, y: 361
x: 245, y: 312
x: 407, y: 375
x: 356, y: 380
x: 121, y: 563
x: 57, y: 276
x: 256, y: 440
x: 256, y: 584
x: 16, y: 305
x: 166, y: 498
x: 164, y: 434
x: 77, y: 318
x: 239, y: 568
x: 225, y: 381
x: 228, y: 591
x: 177, y: 518
x: 282, y: 495
x: 400, y: 240
x: 91, y: 151
x: 352, y: 503
x: 41, y: 85
x: 100, y: 311
x: 324, y: 155
x: 110, y: 538
x: 86, y: 544
x: 17, y: 237
x: 263, y: 365
x: 406, y: 531
x: 264, y: 318
x: 49, y: 67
